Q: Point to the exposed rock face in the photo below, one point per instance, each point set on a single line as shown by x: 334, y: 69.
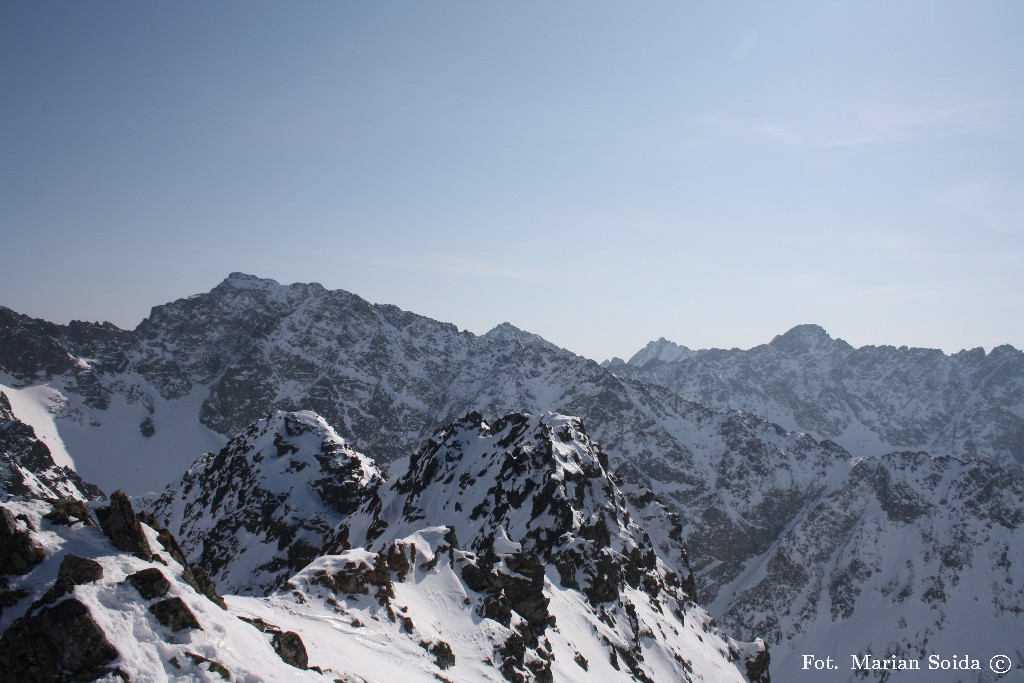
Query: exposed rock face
x: 515, y: 585
x: 870, y: 400
x: 291, y: 649
x: 17, y: 551
x: 27, y: 467
x: 903, y: 534
x: 151, y: 583
x: 73, y: 571
x: 57, y: 643
x: 284, y: 485
x: 28, y: 346
x: 532, y: 501
x: 174, y: 614
x: 120, y: 523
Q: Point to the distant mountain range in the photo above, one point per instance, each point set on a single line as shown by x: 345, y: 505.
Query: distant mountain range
x: 791, y: 530
x: 871, y: 400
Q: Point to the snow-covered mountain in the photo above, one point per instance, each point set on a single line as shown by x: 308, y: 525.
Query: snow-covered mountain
x: 504, y: 552
x: 268, y: 503
x: 904, y: 555
x: 871, y: 400
x: 135, y: 408
x: 545, y: 546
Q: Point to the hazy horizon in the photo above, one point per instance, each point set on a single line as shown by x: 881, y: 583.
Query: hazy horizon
x: 600, y: 174
x: 625, y: 356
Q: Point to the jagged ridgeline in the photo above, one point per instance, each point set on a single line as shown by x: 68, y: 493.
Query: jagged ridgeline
x: 91, y: 592
x: 503, y: 552
x: 269, y: 502
x: 514, y: 522
x: 872, y: 400
x: 801, y: 534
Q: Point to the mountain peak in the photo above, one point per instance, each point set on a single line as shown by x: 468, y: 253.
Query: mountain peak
x: 283, y: 483
x: 533, y: 522
x: 803, y: 337
x: 661, y: 350
x: 246, y: 281
x: 508, y: 332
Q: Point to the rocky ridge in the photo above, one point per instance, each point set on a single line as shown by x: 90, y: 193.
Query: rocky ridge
x: 268, y: 503
x: 518, y: 518
x: 27, y: 467
x: 872, y: 400
x: 113, y: 600
x: 520, y: 521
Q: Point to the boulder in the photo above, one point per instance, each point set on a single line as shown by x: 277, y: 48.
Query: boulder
x: 17, y: 552
x: 290, y: 648
x: 73, y: 571
x: 120, y: 523
x: 174, y: 614
x: 59, y: 643
x: 151, y: 583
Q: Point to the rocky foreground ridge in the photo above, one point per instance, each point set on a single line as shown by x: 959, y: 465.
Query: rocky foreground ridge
x: 504, y: 552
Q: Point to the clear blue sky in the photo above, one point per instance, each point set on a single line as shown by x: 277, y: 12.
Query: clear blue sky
x: 600, y: 173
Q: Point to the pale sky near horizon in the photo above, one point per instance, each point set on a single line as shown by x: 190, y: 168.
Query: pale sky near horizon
x: 599, y: 173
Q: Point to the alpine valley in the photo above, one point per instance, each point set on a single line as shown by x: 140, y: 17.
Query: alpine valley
x: 306, y: 486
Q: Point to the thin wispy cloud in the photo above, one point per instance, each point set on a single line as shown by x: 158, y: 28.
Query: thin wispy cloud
x: 878, y: 124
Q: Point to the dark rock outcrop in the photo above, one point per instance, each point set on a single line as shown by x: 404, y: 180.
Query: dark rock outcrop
x: 62, y: 642
x: 18, y: 554
x: 73, y: 571
x: 363, y: 577
x: 120, y: 523
x: 27, y: 467
x: 518, y: 586
x: 290, y: 648
x: 174, y: 614
x: 69, y: 512
x: 287, y: 644
x: 151, y: 583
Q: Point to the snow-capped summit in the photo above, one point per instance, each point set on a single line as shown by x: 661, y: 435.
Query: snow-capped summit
x: 508, y: 332
x: 870, y: 400
x: 544, y: 544
x: 269, y: 502
x: 504, y: 551
x: 535, y: 480
x: 661, y: 350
